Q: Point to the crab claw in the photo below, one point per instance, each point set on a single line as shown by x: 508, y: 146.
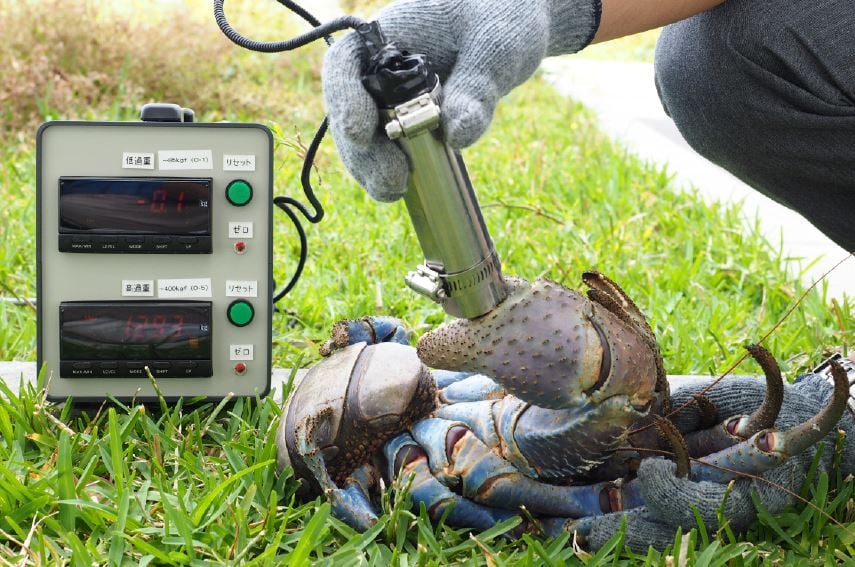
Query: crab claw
x: 551, y: 347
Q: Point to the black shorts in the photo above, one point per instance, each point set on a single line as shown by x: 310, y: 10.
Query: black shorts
x: 766, y: 89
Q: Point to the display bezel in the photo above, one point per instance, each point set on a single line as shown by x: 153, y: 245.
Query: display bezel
x: 72, y: 311
x: 201, y: 228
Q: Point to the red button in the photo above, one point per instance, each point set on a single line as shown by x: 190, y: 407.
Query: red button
x: 240, y: 368
x: 240, y: 247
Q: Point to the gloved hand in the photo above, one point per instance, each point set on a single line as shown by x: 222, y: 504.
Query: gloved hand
x: 481, y: 49
x: 669, y: 499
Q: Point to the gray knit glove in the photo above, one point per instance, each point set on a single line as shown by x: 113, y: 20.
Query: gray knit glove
x: 481, y: 49
x: 669, y: 499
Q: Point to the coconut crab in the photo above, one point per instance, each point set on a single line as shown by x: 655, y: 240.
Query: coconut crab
x: 534, y: 407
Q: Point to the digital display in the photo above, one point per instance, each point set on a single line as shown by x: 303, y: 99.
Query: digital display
x: 135, y: 330
x: 134, y: 205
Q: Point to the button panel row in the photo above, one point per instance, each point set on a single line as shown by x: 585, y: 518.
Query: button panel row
x: 135, y: 369
x: 107, y: 244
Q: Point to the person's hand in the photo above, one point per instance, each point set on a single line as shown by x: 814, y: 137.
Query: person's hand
x: 481, y: 49
x: 670, y: 501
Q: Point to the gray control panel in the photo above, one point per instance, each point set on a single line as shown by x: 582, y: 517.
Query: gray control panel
x: 154, y: 252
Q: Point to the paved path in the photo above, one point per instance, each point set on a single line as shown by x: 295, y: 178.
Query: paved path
x: 624, y: 97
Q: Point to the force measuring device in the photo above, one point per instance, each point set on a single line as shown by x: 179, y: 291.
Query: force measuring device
x: 154, y: 252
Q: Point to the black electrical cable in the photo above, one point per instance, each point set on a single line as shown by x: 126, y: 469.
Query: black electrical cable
x: 303, y: 13
x: 288, y: 204
x: 285, y: 203
x: 320, y: 30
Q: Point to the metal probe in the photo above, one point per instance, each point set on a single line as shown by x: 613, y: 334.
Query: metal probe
x: 461, y: 271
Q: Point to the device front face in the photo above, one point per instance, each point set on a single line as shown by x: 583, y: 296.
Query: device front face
x: 154, y: 250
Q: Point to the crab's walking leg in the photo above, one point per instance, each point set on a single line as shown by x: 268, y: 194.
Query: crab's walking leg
x: 736, y: 429
x: 406, y: 458
x: 371, y: 330
x: 770, y: 448
x: 472, y: 388
x: 460, y: 460
x: 446, y: 378
x: 350, y: 504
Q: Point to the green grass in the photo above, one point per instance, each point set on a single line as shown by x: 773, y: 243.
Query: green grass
x: 194, y: 486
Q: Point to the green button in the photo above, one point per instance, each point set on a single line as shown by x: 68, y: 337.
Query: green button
x: 240, y: 313
x: 239, y: 193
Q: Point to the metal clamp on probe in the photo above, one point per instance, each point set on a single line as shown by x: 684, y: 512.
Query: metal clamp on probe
x: 462, y: 271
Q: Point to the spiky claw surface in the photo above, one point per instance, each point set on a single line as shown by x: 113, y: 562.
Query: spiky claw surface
x: 551, y: 347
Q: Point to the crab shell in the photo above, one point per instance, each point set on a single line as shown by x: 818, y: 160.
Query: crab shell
x: 355, y: 400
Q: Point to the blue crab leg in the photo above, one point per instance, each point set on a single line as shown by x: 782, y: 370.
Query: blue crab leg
x: 768, y: 449
x: 445, y: 378
x: 474, y: 388
x: 459, y: 459
x: 737, y: 429
x: 351, y: 504
x: 371, y: 330
x: 406, y: 457
x: 478, y: 416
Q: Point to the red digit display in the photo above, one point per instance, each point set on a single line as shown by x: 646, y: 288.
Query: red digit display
x: 135, y: 330
x: 177, y: 206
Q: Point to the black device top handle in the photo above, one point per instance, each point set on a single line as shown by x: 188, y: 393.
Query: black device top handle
x: 393, y: 75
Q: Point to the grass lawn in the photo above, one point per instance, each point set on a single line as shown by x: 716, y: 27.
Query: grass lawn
x: 171, y: 485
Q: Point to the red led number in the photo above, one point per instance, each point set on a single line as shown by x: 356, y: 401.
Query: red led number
x: 144, y: 328
x: 158, y: 202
